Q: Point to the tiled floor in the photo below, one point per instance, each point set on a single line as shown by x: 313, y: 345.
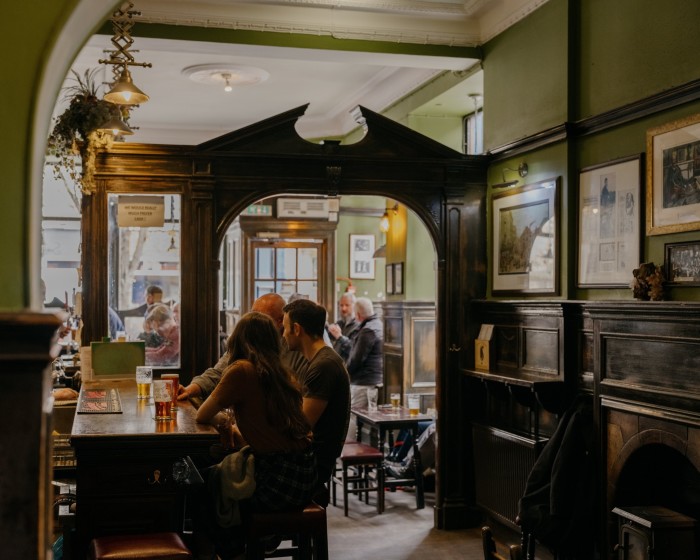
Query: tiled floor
x: 402, y: 532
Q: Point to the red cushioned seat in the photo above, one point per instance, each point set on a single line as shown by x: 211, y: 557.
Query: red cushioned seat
x: 153, y: 546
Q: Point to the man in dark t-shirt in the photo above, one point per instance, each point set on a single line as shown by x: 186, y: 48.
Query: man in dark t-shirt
x: 325, y: 382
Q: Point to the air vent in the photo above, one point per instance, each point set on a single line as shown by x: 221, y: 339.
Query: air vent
x: 302, y: 208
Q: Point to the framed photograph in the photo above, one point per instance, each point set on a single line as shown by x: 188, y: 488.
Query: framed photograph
x: 609, y: 223
x: 361, y: 261
x: 389, y: 279
x: 526, y: 239
x: 398, y: 278
x: 683, y: 263
x: 673, y: 177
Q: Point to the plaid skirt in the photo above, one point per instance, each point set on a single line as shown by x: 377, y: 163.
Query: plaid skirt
x: 284, y: 481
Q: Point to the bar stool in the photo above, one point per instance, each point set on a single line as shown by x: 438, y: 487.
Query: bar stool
x: 307, y: 527
x: 365, y: 459
x: 152, y: 546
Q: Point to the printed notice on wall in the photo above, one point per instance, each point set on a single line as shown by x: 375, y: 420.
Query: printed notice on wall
x: 141, y: 211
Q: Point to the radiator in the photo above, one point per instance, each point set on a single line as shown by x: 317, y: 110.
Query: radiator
x: 502, y: 463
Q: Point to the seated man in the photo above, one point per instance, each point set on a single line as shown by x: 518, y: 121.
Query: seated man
x: 325, y: 382
x: 202, y: 385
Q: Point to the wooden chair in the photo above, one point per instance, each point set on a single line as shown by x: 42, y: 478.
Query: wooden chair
x: 308, y: 530
x: 490, y: 553
x: 364, y: 459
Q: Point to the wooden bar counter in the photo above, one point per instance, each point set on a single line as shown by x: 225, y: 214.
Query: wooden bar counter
x: 125, y: 465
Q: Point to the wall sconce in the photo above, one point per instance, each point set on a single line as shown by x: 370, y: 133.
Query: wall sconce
x: 384, y: 222
x: 522, y: 171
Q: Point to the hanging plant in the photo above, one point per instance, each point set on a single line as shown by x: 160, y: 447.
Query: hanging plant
x: 76, y: 130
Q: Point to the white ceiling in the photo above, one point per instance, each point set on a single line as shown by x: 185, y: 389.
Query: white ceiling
x: 183, y: 111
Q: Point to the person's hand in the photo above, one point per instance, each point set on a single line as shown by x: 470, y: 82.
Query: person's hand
x: 192, y: 390
x: 334, y: 331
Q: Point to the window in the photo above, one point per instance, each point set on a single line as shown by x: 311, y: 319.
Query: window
x: 286, y: 268
x: 144, y: 250
x: 474, y: 132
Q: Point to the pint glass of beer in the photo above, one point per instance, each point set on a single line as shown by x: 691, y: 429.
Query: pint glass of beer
x: 144, y: 378
x: 413, y: 405
x: 162, y: 398
x: 174, y: 378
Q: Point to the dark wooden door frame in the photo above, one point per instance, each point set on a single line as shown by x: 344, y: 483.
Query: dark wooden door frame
x: 220, y: 178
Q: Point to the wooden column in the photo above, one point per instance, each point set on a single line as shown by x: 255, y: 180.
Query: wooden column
x: 25, y: 461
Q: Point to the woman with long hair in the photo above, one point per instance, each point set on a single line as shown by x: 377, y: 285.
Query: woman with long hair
x: 267, y: 406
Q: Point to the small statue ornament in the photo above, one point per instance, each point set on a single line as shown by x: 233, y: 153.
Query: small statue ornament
x: 648, y: 283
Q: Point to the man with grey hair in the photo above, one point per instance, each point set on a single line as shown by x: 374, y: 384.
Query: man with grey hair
x: 366, y: 361
x: 343, y: 332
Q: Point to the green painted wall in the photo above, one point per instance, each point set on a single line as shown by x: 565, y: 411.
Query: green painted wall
x: 26, y: 35
x: 526, y: 76
x: 373, y: 289
x: 448, y: 130
x: 421, y: 262
x: 631, y: 49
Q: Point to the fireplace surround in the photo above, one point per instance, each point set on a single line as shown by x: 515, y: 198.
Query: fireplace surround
x: 646, y: 362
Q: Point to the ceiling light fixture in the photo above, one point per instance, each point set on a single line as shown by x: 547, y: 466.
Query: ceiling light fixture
x: 522, y: 171
x: 123, y: 90
x: 116, y: 127
x: 227, y: 88
x: 228, y: 75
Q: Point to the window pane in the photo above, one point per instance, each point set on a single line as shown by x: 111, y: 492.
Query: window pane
x: 308, y: 263
x: 286, y: 288
x: 308, y: 289
x: 141, y: 256
x: 264, y: 263
x: 262, y: 288
x: 287, y: 263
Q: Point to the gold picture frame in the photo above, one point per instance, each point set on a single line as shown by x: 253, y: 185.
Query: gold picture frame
x: 673, y: 177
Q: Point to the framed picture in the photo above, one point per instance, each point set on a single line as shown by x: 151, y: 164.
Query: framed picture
x: 673, y: 177
x: 609, y: 223
x: 389, y: 279
x: 683, y: 263
x: 526, y: 239
x: 398, y: 278
x: 361, y: 261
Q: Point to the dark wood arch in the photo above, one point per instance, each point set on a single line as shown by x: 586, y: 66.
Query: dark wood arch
x: 220, y: 178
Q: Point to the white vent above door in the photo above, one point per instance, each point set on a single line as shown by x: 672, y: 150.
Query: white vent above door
x: 302, y: 208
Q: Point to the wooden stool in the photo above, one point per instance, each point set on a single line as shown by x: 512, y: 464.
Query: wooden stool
x: 153, y: 546
x: 365, y: 459
x: 307, y: 527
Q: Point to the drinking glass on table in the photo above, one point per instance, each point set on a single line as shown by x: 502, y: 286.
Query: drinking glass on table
x: 144, y: 378
x: 163, y: 399
x: 395, y: 400
x: 413, y: 405
x: 175, y: 379
x: 372, y: 396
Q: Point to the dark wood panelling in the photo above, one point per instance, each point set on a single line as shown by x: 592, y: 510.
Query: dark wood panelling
x: 25, y: 462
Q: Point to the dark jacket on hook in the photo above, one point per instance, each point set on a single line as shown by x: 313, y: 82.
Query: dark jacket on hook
x: 558, y: 505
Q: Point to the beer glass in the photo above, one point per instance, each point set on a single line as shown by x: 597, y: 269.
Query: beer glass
x: 144, y: 378
x: 395, y: 400
x: 413, y: 405
x: 372, y: 396
x: 174, y: 378
x: 162, y: 397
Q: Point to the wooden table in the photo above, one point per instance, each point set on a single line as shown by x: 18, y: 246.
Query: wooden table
x: 385, y: 420
x: 124, y: 472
